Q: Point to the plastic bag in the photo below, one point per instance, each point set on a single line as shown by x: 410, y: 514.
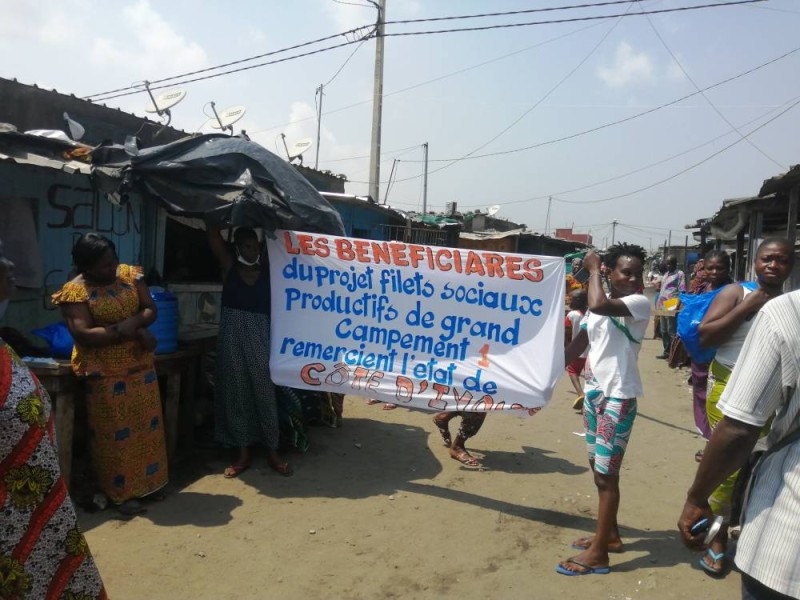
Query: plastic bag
x: 694, y: 309
x: 58, y: 339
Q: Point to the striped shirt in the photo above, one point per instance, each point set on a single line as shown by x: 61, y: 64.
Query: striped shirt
x: 764, y: 383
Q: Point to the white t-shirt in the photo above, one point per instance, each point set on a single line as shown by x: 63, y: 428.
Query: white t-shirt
x: 613, y: 358
x: 575, y: 317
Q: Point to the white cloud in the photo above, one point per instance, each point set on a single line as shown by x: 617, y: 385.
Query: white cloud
x: 156, y: 49
x: 629, y: 67
x: 46, y: 22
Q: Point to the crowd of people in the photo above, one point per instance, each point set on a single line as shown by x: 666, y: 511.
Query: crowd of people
x: 747, y: 392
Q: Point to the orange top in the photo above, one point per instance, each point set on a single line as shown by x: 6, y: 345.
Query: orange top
x: 573, y: 284
x: 108, y: 305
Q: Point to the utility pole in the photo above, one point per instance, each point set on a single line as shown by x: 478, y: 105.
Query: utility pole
x: 669, y: 242
x: 425, y: 180
x: 547, y: 220
x: 377, y: 105
x: 613, y: 231
x: 319, y: 92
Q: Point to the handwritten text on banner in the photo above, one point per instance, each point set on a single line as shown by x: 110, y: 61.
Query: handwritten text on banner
x: 425, y: 326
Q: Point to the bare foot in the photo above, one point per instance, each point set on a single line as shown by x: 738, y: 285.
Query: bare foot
x: 583, y: 561
x: 464, y: 457
x: 615, y: 545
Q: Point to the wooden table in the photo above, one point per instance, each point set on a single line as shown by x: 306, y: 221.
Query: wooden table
x: 180, y: 370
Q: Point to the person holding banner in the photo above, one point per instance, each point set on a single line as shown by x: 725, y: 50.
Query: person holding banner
x: 246, y: 406
x: 612, y: 329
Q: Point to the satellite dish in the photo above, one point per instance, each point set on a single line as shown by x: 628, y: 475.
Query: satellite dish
x: 165, y: 100
x: 493, y: 210
x: 76, y: 130
x: 298, y: 148
x: 227, y: 117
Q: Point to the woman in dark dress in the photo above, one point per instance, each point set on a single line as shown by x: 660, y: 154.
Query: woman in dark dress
x: 245, y: 398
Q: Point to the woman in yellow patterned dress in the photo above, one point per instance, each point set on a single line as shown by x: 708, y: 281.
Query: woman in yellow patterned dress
x: 43, y: 553
x: 107, y: 308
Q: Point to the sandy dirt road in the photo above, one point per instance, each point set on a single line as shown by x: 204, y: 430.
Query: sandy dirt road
x: 377, y: 509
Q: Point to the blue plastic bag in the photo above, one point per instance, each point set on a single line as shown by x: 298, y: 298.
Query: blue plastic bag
x: 694, y: 309
x: 58, y: 339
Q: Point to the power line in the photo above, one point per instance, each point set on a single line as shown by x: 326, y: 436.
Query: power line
x: 644, y: 168
x: 352, y: 4
x: 514, y: 12
x: 682, y: 171
x: 707, y: 99
x: 575, y: 19
x: 441, y: 77
x: 621, y: 121
x: 120, y: 92
x: 651, y: 165
x: 536, y: 104
x: 369, y: 34
x: 352, y: 54
x: 549, y: 92
x: 383, y: 152
x: 312, y: 42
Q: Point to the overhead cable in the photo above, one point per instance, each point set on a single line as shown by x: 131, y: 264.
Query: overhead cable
x: 707, y: 99
x: 536, y: 104
x: 647, y: 166
x: 441, y: 77
x: 682, y: 171
x: 356, y: 30
x: 624, y: 120
x: 574, y: 19
x: 513, y: 12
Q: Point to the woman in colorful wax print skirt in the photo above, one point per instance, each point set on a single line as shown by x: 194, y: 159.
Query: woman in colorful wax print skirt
x: 43, y: 553
x: 107, y: 308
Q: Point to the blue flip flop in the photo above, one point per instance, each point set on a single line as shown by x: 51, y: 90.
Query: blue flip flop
x: 711, y: 570
x: 586, y: 569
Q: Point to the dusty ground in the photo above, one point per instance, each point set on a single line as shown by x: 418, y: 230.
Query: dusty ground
x: 377, y: 509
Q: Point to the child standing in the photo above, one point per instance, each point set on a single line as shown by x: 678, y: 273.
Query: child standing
x: 577, y: 308
x: 612, y: 329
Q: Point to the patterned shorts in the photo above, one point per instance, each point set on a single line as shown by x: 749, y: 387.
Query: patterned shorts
x: 608, y: 423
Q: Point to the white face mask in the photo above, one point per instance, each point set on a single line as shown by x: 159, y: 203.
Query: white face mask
x: 246, y: 262
x: 3, y: 307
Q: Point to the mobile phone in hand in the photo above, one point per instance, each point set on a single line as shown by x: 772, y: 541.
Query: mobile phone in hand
x: 699, y: 527
x: 581, y: 276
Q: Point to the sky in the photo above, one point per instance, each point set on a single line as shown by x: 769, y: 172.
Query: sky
x: 545, y: 100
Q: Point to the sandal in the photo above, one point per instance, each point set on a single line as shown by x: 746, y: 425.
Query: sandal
x: 715, y: 557
x: 466, y: 459
x: 389, y: 406
x: 235, y: 470
x: 698, y: 456
x: 130, y: 508
x: 372, y: 401
x: 282, y: 468
x: 444, y: 431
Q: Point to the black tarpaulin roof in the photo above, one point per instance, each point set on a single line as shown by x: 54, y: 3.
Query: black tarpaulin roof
x: 226, y: 179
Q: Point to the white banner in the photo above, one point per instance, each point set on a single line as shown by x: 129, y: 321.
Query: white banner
x: 424, y: 326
